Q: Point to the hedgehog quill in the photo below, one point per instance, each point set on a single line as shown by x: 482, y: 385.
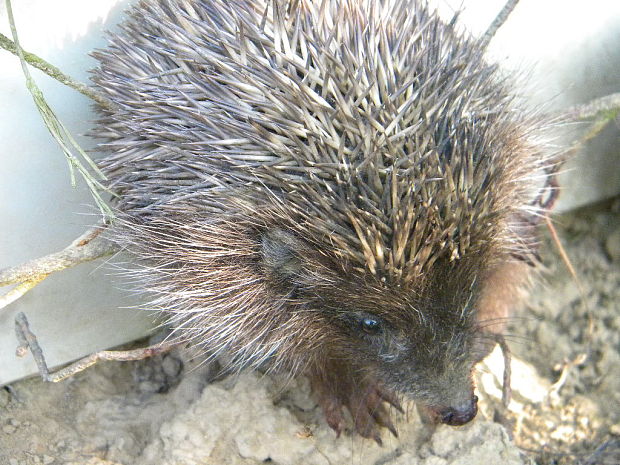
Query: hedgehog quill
x: 345, y: 190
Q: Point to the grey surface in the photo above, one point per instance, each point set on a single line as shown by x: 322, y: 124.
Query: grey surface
x: 572, y: 52
x: 81, y: 310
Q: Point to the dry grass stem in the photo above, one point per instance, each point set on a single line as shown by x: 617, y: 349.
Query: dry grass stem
x: 82, y: 163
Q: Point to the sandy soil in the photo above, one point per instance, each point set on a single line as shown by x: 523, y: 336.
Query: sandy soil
x: 172, y: 410
x: 570, y: 333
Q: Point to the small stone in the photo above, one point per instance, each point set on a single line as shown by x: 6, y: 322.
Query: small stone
x: 8, y: 429
x: 13, y: 462
x: 612, y: 245
x: 433, y: 461
x: 47, y: 459
x: 5, y: 398
x: 172, y: 366
x: 148, y: 387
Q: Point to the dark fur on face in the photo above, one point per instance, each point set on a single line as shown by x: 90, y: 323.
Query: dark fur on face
x: 419, y: 340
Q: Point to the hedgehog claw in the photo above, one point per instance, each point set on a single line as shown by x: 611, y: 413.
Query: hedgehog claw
x: 392, y: 429
x: 362, y: 398
x: 382, y: 418
x: 333, y: 415
x: 390, y: 398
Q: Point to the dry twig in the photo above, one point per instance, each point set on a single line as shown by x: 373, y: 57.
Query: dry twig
x: 602, y: 111
x: 54, y: 72
x: 607, y: 107
x: 89, y: 246
x: 500, y: 416
x: 499, y: 20
x: 506, y: 379
x: 565, y: 368
x: 28, y: 341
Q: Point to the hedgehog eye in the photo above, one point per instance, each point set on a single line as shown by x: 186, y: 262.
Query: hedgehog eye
x: 370, y: 325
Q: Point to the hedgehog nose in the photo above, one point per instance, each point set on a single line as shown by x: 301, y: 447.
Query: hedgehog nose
x: 456, y: 416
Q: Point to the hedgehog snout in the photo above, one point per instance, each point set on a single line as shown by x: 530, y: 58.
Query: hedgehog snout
x: 457, y: 415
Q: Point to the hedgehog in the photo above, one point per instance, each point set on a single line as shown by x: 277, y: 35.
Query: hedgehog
x: 342, y: 189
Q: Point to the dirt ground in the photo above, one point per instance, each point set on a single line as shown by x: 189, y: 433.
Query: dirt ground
x: 570, y: 332
x: 172, y: 410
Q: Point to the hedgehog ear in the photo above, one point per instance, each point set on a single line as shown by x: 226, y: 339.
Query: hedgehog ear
x: 281, y: 255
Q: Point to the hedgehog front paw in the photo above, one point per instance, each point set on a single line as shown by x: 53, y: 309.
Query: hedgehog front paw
x: 368, y: 410
x: 365, y: 400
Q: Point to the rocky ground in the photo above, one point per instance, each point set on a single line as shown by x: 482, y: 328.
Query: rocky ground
x: 172, y: 411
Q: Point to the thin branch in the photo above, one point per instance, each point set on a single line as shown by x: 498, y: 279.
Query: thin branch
x: 598, y: 455
x: 581, y: 358
x: 54, y: 72
x: 506, y: 379
x: 20, y: 290
x: 499, y: 20
x: 607, y: 107
x: 566, y: 367
x: 602, y: 111
x: 28, y: 341
x: 500, y: 415
x: 89, y: 246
